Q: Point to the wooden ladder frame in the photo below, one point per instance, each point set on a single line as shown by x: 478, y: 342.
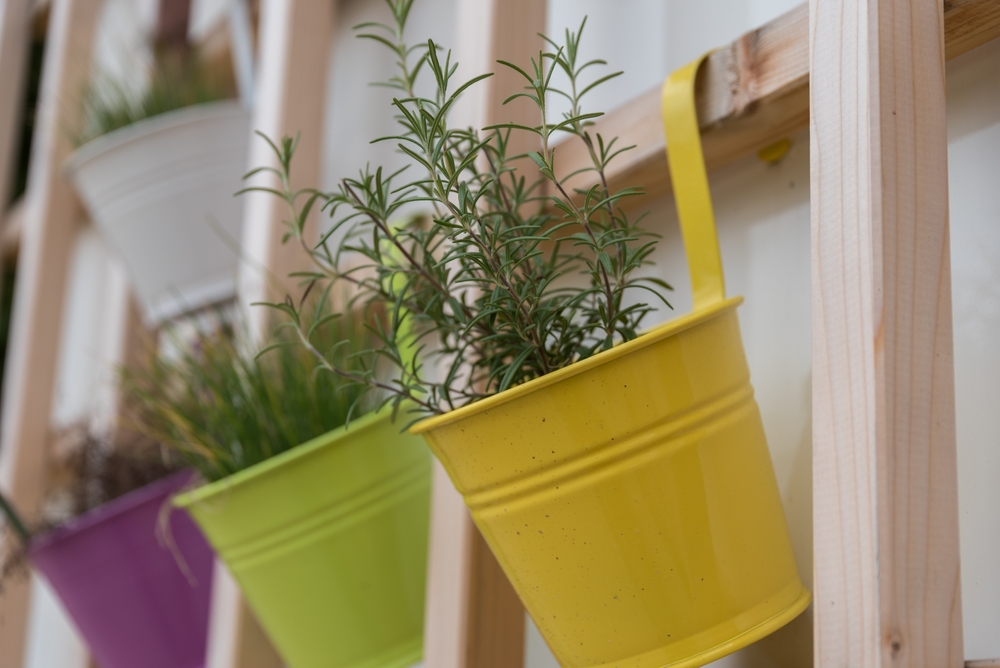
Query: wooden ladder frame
x: 886, y: 582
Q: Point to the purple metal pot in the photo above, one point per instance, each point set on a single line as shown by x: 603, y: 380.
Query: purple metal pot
x: 131, y: 601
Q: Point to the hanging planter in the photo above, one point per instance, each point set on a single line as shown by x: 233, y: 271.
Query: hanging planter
x: 630, y: 497
x: 328, y: 542
x: 153, y: 188
x: 129, y: 595
x: 324, y: 526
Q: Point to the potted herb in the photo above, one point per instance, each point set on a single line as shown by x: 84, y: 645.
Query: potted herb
x: 134, y: 577
x: 156, y: 169
x: 622, y: 480
x: 324, y: 526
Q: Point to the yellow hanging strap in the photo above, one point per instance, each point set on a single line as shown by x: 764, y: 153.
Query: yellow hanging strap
x: 690, y: 181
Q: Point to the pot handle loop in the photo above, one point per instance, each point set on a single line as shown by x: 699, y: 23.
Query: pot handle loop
x: 690, y: 183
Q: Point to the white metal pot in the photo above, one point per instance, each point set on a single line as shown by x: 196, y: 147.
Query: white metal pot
x: 161, y: 192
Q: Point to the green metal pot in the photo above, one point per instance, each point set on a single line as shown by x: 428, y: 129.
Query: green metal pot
x: 328, y: 542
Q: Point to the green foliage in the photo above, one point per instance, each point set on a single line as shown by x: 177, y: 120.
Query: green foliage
x: 14, y: 520
x: 174, y: 82
x: 225, y: 409
x: 513, y: 276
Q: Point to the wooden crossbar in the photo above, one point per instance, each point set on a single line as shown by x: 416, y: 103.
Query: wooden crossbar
x: 753, y: 92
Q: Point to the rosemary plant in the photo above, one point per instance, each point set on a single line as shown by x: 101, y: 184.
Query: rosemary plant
x: 225, y: 409
x: 511, y: 275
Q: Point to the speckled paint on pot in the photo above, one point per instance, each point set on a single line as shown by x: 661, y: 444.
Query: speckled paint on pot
x: 630, y: 497
x: 631, y: 501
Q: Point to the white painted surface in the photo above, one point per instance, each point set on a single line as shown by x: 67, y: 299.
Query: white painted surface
x: 81, y: 339
x: 52, y: 640
x: 974, y: 156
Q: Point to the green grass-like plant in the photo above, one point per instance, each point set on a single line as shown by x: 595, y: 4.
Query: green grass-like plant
x: 225, y: 408
x: 174, y: 82
x: 515, y: 275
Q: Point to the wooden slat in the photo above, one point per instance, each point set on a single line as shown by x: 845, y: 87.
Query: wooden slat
x: 969, y: 23
x: 50, y: 222
x: 885, y: 485
x: 474, y: 619
x: 984, y: 663
x: 295, y: 36
x: 752, y: 93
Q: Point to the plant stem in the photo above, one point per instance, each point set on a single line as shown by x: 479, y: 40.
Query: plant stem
x: 14, y: 519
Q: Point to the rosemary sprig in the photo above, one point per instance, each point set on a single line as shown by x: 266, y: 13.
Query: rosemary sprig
x: 489, y: 281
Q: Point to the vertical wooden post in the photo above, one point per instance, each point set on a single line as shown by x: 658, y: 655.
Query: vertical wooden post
x: 885, y: 486
x: 474, y: 618
x: 51, y: 217
x: 293, y: 56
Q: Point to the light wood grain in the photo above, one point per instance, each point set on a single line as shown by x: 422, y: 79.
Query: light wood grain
x: 446, y: 620
x: 886, y: 570
x: 496, y: 614
x: 295, y: 37
x: 474, y: 618
x: 51, y: 219
x: 751, y: 93
x: 968, y: 24
x: 983, y: 663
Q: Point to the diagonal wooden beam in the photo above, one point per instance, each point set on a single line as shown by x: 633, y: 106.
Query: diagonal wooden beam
x: 752, y: 92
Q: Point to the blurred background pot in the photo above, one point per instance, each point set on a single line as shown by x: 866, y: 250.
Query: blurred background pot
x: 328, y: 542
x: 128, y: 594
x: 161, y: 192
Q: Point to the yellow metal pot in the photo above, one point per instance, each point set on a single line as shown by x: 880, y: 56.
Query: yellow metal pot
x: 630, y: 497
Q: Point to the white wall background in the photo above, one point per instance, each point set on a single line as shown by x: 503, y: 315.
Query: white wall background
x: 763, y: 219
x: 974, y: 157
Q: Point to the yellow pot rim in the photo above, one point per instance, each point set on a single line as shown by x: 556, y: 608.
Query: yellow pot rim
x: 310, y: 447
x: 657, y: 333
